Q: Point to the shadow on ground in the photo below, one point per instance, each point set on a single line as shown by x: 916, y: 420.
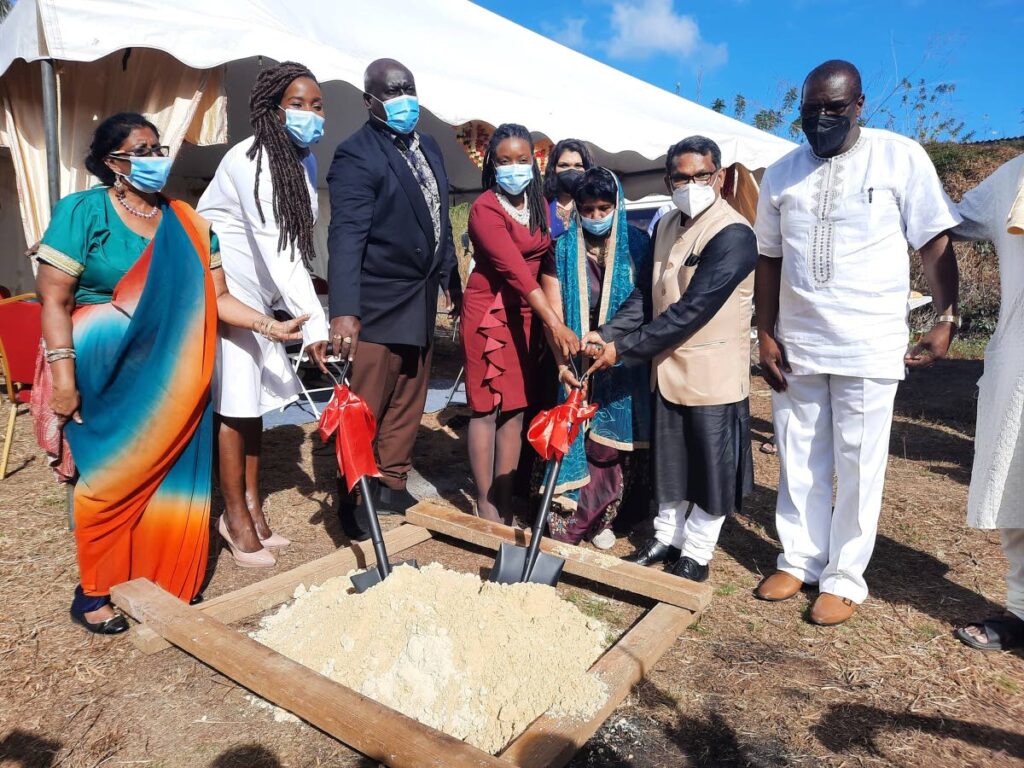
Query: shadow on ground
x: 848, y: 728
x: 28, y: 750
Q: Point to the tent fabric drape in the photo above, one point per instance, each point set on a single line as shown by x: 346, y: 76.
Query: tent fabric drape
x: 184, y: 103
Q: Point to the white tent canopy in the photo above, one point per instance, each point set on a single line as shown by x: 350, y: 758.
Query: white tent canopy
x: 450, y: 45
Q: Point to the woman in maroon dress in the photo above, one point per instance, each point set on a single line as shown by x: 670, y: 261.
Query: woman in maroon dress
x: 509, y: 228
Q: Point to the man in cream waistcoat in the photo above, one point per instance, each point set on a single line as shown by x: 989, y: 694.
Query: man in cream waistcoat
x: 699, y: 345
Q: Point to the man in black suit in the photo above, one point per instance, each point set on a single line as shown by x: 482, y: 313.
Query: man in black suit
x: 391, y: 250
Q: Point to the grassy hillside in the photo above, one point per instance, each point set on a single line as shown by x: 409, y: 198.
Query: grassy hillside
x: 962, y: 167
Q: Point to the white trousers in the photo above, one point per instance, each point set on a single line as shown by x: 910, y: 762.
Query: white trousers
x: 1013, y: 548
x: 829, y: 426
x: 695, y: 534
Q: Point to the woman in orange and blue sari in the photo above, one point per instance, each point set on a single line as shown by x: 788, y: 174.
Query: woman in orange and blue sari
x: 132, y: 290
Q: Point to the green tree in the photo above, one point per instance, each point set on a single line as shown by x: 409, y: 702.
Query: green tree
x: 922, y: 111
x: 739, y: 106
x: 778, y: 118
x: 5, y: 8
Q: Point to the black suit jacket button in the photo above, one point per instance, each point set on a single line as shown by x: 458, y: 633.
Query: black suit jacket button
x: 419, y: 250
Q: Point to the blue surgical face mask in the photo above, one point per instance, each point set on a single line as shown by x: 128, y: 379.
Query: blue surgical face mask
x: 304, y: 126
x: 403, y: 112
x: 599, y: 227
x: 148, y: 174
x: 514, y: 178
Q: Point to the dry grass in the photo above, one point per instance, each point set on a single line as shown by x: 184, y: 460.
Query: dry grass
x: 752, y: 685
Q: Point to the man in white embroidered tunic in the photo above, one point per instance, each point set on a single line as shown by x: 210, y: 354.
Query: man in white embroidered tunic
x: 994, y: 211
x: 834, y: 219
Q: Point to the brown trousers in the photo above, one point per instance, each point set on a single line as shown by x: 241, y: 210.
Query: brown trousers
x: 392, y: 379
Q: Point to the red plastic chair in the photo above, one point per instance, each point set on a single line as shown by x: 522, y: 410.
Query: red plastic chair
x: 20, y: 331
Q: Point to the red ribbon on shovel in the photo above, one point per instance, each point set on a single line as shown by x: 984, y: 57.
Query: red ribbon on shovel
x: 353, y: 424
x: 552, y: 432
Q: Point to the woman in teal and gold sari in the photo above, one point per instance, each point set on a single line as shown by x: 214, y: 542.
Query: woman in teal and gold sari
x: 132, y: 291
x: 593, y: 269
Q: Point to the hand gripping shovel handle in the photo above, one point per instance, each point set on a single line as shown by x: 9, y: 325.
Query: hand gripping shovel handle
x: 344, y: 374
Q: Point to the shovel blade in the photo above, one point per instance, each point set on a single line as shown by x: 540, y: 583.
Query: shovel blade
x: 546, y: 569
x: 511, y: 560
x: 371, y: 577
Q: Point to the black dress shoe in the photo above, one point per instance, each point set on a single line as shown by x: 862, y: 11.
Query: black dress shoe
x: 392, y: 502
x: 352, y: 515
x: 688, y: 568
x: 114, y: 626
x: 353, y: 520
x: 653, y: 552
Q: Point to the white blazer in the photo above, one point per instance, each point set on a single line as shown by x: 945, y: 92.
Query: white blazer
x: 253, y: 375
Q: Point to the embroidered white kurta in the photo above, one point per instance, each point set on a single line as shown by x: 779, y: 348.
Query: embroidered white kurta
x: 996, y: 497
x: 253, y: 375
x: 841, y: 227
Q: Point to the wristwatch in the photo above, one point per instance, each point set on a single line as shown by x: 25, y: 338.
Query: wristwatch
x: 954, y: 319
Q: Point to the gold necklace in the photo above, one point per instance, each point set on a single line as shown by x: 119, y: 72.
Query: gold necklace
x: 599, y: 252
x: 563, y: 212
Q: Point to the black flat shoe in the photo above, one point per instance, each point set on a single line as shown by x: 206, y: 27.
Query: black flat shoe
x: 653, y: 552
x: 688, y: 568
x: 113, y: 626
x: 196, y: 600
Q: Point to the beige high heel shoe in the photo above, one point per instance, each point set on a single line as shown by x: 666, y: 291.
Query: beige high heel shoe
x: 261, y: 558
x: 274, y: 540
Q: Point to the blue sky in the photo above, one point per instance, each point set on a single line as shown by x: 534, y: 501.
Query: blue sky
x: 758, y: 47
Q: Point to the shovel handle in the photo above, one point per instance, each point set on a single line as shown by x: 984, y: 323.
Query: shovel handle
x: 383, y: 566
x: 550, y: 478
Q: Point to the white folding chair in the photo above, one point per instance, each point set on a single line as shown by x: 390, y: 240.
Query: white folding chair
x: 297, y: 358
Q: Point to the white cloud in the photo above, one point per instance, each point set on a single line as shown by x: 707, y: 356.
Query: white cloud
x: 569, y: 32
x: 645, y: 28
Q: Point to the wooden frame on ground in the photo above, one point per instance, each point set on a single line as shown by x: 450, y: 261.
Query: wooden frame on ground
x: 372, y: 728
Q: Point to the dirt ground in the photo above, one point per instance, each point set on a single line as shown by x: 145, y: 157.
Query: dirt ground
x: 753, y: 684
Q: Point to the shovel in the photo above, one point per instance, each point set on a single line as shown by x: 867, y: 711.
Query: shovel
x: 551, y: 433
x: 516, y: 564
x: 373, y: 576
x: 358, y: 459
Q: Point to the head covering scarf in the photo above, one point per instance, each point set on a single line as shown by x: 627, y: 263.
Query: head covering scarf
x: 623, y: 392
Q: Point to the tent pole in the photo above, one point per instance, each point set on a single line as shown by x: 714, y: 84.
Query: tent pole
x: 50, y: 129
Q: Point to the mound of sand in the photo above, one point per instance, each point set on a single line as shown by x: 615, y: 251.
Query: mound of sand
x: 477, y: 660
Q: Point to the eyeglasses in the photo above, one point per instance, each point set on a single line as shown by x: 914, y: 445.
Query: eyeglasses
x: 833, y: 108
x: 701, y: 179
x: 153, y: 151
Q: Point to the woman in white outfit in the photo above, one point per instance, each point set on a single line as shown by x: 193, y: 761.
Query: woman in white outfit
x: 262, y: 205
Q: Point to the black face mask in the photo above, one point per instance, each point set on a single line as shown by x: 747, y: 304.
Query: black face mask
x: 567, y: 180
x: 826, y: 133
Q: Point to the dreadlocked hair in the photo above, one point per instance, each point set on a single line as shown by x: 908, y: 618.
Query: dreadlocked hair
x: 292, y: 206
x: 535, y: 191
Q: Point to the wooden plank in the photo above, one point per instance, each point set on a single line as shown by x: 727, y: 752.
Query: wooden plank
x: 263, y: 595
x: 589, y: 564
x: 551, y: 742
x: 375, y: 730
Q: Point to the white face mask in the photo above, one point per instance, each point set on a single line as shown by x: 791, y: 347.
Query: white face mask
x: 693, y: 199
